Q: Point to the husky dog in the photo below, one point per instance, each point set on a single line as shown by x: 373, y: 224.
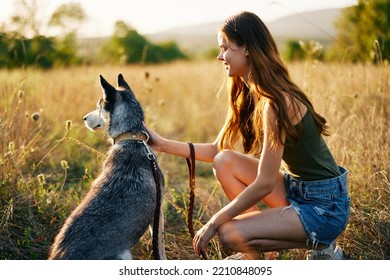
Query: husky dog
x: 124, y: 200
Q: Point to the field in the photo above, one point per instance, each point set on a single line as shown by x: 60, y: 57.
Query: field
x: 48, y: 158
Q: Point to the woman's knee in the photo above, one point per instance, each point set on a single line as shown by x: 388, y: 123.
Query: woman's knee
x: 222, y: 162
x: 229, y: 236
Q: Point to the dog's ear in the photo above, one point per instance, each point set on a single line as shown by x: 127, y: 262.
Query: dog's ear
x: 108, y: 90
x: 122, y: 83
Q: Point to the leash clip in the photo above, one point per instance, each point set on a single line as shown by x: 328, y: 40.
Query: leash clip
x: 150, y: 155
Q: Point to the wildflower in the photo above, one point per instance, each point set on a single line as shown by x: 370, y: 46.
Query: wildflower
x: 68, y: 124
x: 41, y: 179
x: 11, y: 147
x: 64, y: 164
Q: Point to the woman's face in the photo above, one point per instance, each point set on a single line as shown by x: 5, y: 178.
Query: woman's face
x: 235, y: 58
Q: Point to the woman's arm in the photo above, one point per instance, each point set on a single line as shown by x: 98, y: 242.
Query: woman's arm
x: 203, y: 152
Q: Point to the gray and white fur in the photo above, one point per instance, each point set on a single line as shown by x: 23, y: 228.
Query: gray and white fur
x: 121, y: 203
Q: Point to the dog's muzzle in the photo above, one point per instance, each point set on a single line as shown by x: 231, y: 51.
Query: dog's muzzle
x: 95, y: 120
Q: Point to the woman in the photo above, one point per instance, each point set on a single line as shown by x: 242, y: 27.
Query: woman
x: 275, y: 123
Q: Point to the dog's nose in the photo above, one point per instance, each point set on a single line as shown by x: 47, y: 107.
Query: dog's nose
x: 85, y: 118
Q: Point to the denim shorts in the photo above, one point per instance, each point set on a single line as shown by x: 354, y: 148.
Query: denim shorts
x: 323, y: 206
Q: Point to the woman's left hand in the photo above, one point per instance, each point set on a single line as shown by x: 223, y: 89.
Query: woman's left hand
x: 202, y: 237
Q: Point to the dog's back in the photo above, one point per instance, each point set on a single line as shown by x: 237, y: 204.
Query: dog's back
x: 120, y: 204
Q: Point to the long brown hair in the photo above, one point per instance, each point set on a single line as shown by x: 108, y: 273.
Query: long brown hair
x: 270, y: 81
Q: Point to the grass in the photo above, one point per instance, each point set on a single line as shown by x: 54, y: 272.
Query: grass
x: 48, y: 159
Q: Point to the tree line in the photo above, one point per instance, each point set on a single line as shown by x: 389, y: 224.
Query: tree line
x: 25, y: 45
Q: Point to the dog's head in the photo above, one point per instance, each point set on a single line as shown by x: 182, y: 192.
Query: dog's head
x: 118, y: 110
x: 96, y: 120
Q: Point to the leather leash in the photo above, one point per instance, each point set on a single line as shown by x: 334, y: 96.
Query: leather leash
x: 155, y: 237
x: 191, y: 182
x: 156, y: 220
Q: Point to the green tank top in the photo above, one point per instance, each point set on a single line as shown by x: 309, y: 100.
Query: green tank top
x: 309, y: 159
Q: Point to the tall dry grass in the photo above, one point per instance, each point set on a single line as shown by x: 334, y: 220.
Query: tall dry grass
x: 48, y: 158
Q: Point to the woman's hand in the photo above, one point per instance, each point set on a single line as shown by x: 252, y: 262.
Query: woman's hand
x: 155, y: 140
x: 202, y: 237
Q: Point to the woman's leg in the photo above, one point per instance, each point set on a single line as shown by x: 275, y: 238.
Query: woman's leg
x: 272, y: 229
x: 235, y: 171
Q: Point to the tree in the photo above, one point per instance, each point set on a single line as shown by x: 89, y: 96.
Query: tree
x: 364, y: 32
x: 25, y: 20
x: 128, y: 46
x: 4, y: 54
x: 37, y: 51
x: 68, y: 17
x: 24, y: 45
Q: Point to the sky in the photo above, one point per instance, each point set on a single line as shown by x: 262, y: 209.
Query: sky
x: 152, y: 16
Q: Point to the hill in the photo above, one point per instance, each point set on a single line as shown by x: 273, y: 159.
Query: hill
x: 315, y: 25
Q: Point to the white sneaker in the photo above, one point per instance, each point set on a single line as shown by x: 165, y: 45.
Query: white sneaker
x: 333, y: 252
x: 253, y: 256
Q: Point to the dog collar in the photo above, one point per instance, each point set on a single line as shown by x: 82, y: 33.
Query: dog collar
x: 139, y: 136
